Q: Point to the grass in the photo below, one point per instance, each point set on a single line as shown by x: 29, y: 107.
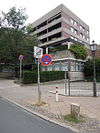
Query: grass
x: 70, y: 118
x: 40, y: 103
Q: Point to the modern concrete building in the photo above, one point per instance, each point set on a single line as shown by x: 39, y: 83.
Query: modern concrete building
x: 62, y: 27
x: 58, y: 25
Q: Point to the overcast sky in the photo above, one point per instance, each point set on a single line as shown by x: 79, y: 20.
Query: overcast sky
x: 87, y: 10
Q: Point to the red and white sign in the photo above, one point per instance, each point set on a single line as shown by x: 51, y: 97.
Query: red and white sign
x: 46, y: 59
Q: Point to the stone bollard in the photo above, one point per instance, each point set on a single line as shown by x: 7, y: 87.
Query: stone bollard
x: 75, y: 110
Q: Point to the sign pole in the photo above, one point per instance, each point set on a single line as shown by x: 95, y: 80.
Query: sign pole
x: 39, y: 92
x: 20, y: 59
x: 20, y: 71
x: 65, y: 82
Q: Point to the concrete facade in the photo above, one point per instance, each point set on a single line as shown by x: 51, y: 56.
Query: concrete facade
x: 59, y: 24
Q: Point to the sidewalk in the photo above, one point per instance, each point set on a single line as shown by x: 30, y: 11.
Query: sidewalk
x: 27, y: 96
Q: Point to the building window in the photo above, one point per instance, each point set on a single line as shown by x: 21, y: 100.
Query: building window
x: 75, y: 31
x: 75, y: 23
x: 81, y: 35
x: 57, y: 67
x: 49, y: 68
x: 75, y: 39
x: 82, y: 66
x: 64, y: 66
x: 43, y: 68
x: 72, y: 29
x: 77, y: 66
x: 72, y: 66
x: 81, y: 27
x: 72, y: 21
x: 87, y: 39
x: 87, y: 32
x: 72, y: 37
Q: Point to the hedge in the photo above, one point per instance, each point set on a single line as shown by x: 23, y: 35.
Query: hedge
x: 31, y: 76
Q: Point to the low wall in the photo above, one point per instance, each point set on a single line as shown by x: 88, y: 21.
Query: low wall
x: 6, y: 75
x: 76, y: 76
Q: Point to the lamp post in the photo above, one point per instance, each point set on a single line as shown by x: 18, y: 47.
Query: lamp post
x: 93, y: 49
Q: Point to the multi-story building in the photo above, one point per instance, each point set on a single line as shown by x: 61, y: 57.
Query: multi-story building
x: 62, y: 27
x: 58, y: 25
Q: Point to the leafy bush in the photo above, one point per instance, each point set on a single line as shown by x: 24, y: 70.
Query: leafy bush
x: 58, y: 48
x: 31, y: 76
x: 79, y: 51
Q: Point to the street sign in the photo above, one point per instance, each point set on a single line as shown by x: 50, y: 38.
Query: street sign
x: 38, y: 52
x: 46, y: 59
x: 20, y: 57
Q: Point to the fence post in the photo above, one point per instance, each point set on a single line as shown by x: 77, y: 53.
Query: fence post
x: 69, y: 86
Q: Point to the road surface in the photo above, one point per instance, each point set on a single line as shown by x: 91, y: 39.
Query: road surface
x: 14, y: 119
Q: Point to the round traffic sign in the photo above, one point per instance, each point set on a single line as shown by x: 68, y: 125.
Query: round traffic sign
x: 46, y: 59
x: 21, y: 57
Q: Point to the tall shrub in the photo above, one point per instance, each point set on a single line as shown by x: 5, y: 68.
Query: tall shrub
x: 79, y: 51
x: 88, y: 69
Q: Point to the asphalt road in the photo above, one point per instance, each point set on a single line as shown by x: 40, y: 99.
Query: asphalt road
x: 14, y: 119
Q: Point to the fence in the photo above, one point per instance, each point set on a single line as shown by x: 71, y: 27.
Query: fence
x: 81, y: 88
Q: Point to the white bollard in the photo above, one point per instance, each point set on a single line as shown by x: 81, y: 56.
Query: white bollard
x: 56, y: 94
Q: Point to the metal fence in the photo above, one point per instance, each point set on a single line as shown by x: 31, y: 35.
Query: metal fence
x: 81, y: 88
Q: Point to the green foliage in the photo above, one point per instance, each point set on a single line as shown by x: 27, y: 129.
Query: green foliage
x: 14, y: 39
x: 79, y: 51
x: 15, y: 18
x: 31, y: 76
x: 88, y: 69
x: 59, y: 48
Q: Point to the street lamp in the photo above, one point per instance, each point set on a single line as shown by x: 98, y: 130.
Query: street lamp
x: 93, y: 49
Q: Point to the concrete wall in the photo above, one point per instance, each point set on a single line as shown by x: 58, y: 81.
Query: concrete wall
x: 7, y: 75
x: 76, y: 76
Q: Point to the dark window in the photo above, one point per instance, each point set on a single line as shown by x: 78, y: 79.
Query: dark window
x: 54, y: 27
x: 42, y: 24
x: 42, y: 32
x: 55, y: 36
x: 57, y: 16
x: 43, y: 40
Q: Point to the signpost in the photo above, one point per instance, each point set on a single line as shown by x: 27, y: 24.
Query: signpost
x: 38, y: 52
x: 45, y: 60
x: 20, y: 59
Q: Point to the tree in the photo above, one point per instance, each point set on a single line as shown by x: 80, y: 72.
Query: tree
x: 14, y: 38
x: 14, y: 18
x: 88, y: 68
x: 79, y: 51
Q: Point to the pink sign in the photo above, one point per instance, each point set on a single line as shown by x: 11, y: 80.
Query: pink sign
x: 21, y: 57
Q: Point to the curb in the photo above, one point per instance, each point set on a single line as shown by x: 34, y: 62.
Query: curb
x: 41, y: 116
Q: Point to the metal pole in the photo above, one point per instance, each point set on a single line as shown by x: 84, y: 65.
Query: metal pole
x: 20, y: 71
x: 69, y: 85
x: 65, y: 82
x: 94, y: 79
x: 39, y: 92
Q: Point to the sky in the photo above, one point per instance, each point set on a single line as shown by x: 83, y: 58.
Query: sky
x: 87, y: 10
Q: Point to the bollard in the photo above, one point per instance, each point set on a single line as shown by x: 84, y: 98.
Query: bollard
x: 75, y: 110
x: 56, y: 94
